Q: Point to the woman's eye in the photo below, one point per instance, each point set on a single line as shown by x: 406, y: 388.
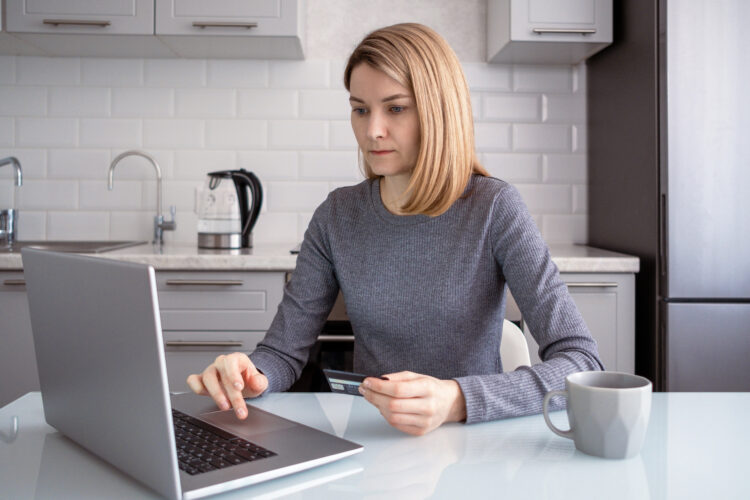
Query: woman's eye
x: 397, y: 109
x: 359, y: 111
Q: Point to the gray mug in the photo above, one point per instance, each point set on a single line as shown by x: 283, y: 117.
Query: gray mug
x: 608, y: 412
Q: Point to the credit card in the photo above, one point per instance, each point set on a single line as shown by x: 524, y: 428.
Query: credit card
x: 346, y: 382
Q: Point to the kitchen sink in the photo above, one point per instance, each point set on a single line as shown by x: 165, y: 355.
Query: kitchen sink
x: 72, y: 246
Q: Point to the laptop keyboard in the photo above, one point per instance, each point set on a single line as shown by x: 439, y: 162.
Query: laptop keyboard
x: 202, y: 447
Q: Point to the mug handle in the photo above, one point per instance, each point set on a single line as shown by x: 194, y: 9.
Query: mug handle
x: 566, y: 434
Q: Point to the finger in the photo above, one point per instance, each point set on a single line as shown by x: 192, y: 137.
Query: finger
x: 256, y: 384
x: 390, y: 406
x: 213, y: 386
x: 408, y: 388
x: 406, y: 375
x: 196, y: 385
x: 230, y: 373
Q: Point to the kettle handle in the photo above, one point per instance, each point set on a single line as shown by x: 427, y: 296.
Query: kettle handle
x: 243, y: 178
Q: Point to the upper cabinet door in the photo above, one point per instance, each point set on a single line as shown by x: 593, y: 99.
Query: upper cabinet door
x: 121, y: 17
x: 561, y: 20
x: 227, y: 17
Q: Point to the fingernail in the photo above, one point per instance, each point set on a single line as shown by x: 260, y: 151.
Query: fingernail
x: 238, y: 385
x: 224, y: 405
x: 366, y: 383
x: 240, y: 412
x: 361, y: 390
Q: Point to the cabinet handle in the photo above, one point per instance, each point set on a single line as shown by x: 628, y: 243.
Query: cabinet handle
x: 203, y: 343
x: 20, y: 282
x: 587, y: 31
x: 76, y: 22
x: 592, y: 285
x: 336, y: 338
x: 205, y: 282
x: 211, y: 24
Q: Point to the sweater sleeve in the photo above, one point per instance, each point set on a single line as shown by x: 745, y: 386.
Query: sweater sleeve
x: 308, y: 298
x: 565, y: 344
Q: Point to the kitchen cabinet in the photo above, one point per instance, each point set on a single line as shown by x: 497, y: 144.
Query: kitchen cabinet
x: 208, y: 313
x: 268, y: 29
x: 547, y: 31
x: 18, y: 373
x: 607, y: 303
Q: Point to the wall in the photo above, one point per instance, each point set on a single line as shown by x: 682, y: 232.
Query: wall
x: 67, y: 118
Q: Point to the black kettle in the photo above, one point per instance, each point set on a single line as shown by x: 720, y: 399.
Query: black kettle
x: 228, y: 208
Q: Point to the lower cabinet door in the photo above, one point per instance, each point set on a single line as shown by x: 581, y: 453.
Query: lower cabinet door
x: 189, y: 352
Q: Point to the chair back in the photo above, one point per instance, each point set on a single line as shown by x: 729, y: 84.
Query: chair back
x: 514, y: 351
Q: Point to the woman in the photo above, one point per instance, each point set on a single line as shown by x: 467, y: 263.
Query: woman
x: 422, y: 251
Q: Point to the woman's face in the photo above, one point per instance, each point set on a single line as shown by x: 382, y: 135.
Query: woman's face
x: 385, y: 121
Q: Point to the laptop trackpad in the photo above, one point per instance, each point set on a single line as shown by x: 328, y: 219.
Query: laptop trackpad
x: 257, y: 422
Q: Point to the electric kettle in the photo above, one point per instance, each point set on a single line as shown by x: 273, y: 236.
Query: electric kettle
x: 228, y: 208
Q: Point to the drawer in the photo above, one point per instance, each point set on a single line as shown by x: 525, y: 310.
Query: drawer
x: 223, y: 301
x: 190, y: 352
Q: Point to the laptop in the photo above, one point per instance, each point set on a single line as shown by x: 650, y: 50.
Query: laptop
x: 103, y: 376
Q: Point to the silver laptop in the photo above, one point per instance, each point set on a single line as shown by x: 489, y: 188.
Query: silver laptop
x: 103, y: 377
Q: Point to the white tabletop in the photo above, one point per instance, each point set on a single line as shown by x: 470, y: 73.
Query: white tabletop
x: 696, y: 447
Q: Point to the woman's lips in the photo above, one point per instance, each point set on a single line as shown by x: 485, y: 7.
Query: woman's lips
x: 381, y: 152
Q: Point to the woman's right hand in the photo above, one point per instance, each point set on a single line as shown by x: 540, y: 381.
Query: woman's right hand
x: 228, y: 380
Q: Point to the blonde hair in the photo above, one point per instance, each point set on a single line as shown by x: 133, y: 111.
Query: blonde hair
x: 422, y: 61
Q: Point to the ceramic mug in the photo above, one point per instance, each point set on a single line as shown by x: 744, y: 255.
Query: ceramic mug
x: 608, y: 412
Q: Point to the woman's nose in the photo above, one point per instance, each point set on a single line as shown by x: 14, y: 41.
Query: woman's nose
x: 376, y: 127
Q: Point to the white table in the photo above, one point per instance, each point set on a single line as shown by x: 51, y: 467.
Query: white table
x: 696, y: 447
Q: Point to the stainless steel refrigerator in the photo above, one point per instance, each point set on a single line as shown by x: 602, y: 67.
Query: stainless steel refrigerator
x: 669, y: 181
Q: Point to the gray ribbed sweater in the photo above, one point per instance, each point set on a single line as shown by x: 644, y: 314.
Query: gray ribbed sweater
x: 427, y: 294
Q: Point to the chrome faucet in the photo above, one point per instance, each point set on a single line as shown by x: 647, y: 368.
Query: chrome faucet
x: 8, y: 215
x: 160, y: 225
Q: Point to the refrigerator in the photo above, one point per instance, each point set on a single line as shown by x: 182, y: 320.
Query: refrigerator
x: 668, y: 127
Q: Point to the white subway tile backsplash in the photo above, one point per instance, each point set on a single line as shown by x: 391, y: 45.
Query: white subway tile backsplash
x: 125, y: 195
x: 175, y: 72
x: 325, y: 104
x: 342, y: 136
x: 48, y: 195
x: 512, y: 167
x: 79, y: 101
x: 48, y: 70
x: 564, y: 229
x: 326, y: 165
x: 270, y: 165
x: 298, y: 134
x: 200, y: 103
x: 279, y: 227
x: 32, y: 225
x: 492, y: 136
x: 545, y: 199
x: 112, y: 72
x: 23, y: 101
x: 286, y: 121
x: 565, y: 168
x: 142, y: 102
x: 111, y: 133
x: 7, y: 70
x: 307, y: 74
x: 78, y: 164
x: 539, y: 78
x: 511, y: 107
x: 545, y: 138
x: 268, y: 103
x: 295, y: 196
x: 195, y: 164
x: 236, y: 134
x: 237, y: 73
x: 481, y: 76
x: 46, y: 132
x: 173, y: 133
x: 135, y: 167
x: 33, y: 162
x: 7, y: 132
x: 78, y: 225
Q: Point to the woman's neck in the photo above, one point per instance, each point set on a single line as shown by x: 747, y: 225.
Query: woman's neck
x: 392, y: 189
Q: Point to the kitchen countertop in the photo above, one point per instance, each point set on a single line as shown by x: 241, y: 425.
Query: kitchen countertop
x: 277, y: 257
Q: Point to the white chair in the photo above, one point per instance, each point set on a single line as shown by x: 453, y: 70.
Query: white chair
x: 514, y: 351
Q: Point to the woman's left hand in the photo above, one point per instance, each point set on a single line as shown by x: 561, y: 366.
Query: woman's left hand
x: 415, y: 403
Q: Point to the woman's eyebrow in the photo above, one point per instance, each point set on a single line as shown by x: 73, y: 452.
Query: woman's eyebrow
x: 386, y: 99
